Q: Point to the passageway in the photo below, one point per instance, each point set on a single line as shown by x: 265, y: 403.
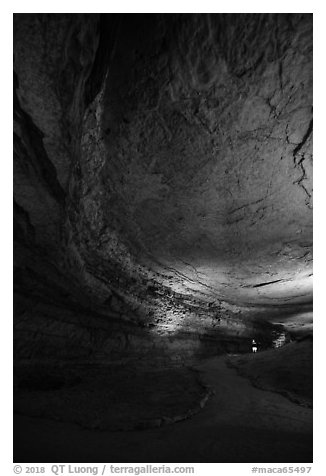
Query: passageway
x: 240, y: 423
x: 162, y: 217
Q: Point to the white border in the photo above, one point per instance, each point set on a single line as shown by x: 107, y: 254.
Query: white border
x: 168, y: 6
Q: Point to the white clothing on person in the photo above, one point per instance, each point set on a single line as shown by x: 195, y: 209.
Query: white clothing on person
x: 254, y: 346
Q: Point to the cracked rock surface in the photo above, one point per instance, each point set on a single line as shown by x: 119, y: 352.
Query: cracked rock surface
x: 162, y: 181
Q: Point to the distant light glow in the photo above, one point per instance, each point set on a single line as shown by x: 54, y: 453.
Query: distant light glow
x: 279, y: 341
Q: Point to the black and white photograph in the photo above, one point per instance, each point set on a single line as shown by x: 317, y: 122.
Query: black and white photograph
x: 162, y: 240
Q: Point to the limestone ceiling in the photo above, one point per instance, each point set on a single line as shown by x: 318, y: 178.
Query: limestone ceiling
x: 193, y: 158
x: 206, y: 124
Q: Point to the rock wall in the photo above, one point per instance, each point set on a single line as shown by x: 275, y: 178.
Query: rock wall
x: 162, y: 181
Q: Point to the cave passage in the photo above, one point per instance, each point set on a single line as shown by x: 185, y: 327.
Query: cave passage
x: 162, y: 222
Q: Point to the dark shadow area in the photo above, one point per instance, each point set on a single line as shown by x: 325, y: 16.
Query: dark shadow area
x: 287, y: 370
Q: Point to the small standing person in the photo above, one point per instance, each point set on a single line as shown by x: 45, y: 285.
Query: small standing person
x: 254, y: 346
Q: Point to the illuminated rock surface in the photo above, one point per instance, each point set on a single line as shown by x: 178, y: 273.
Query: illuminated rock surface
x: 161, y: 161
x: 162, y: 185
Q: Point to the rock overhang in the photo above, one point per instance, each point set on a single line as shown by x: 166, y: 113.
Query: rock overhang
x: 208, y: 154
x: 183, y: 162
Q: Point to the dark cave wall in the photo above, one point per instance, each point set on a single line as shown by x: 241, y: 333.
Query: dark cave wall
x: 162, y: 172
x: 54, y: 57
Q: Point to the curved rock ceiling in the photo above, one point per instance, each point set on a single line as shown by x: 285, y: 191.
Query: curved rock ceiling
x: 165, y: 152
x: 208, y: 131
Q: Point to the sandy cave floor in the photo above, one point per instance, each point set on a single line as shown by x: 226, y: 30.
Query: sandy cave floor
x: 240, y: 423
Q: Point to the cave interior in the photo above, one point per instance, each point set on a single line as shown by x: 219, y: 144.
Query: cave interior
x: 162, y: 219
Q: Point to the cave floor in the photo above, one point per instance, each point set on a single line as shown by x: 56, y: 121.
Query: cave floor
x: 239, y: 424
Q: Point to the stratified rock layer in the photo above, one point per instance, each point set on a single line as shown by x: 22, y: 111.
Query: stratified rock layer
x: 162, y: 185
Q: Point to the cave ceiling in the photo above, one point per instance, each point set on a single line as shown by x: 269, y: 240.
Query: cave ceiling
x: 173, y: 147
